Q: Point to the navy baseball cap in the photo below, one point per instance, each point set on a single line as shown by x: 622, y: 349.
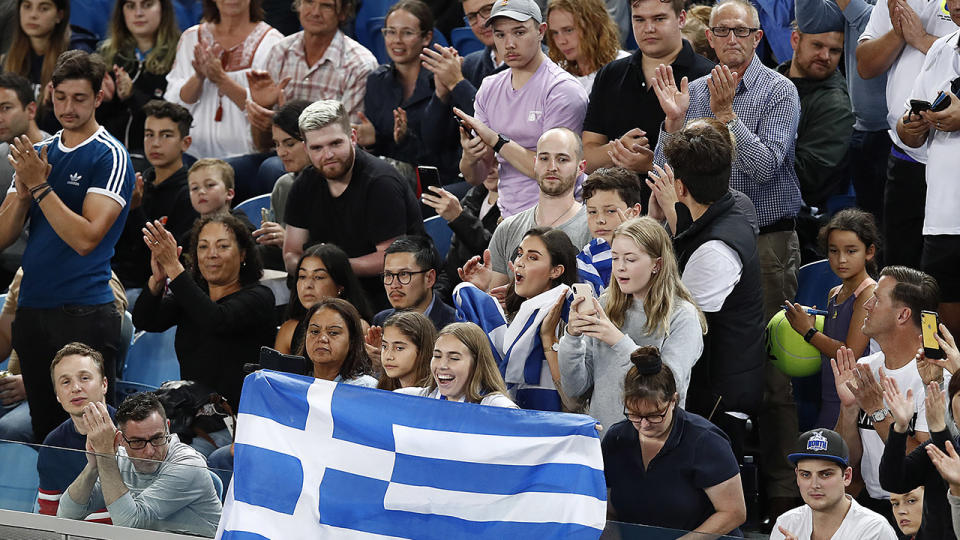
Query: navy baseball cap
x: 821, y: 444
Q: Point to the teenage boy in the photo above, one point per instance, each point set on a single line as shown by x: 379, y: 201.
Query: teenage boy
x: 611, y: 196
x: 77, y: 374
x: 823, y: 472
x: 75, y: 189
x: 161, y: 192
x: 518, y: 104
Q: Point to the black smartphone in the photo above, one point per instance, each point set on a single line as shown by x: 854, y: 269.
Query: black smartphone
x: 930, y: 324
x: 287, y: 363
x: 466, y: 129
x: 918, y: 105
x: 427, y: 176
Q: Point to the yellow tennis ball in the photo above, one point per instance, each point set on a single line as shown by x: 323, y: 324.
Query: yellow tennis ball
x: 791, y: 354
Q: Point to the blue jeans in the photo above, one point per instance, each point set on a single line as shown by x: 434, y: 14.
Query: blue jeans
x: 15, y: 422
x: 222, y: 438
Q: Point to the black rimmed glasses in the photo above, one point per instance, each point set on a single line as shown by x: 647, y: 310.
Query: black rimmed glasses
x: 656, y: 418
x: 404, y: 277
x: 484, y: 12
x: 739, y: 31
x: 140, y: 444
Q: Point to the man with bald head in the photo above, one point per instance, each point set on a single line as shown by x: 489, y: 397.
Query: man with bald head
x: 558, y: 163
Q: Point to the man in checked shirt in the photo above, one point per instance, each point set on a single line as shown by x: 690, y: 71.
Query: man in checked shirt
x: 762, y: 110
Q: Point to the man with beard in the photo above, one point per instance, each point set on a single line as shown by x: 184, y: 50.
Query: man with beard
x: 559, y: 161
x: 826, y: 117
x: 347, y: 197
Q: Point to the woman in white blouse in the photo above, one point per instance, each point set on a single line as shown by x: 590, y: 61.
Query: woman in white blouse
x: 209, y: 75
x: 463, y: 369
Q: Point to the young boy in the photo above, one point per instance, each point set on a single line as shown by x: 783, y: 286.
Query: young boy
x: 823, y: 472
x: 611, y: 196
x: 161, y: 192
x: 211, y: 186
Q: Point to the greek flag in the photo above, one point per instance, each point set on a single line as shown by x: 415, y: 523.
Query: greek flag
x: 315, y: 459
x: 594, y: 265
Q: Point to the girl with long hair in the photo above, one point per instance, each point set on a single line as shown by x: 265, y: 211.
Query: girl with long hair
x: 463, y: 369
x: 582, y: 38
x: 644, y: 304
x: 406, y: 350
x: 141, y: 46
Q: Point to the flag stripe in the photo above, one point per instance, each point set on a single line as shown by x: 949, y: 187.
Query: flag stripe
x: 494, y: 449
x: 362, y: 409
x: 497, y: 479
x: 276, y: 487
x: 286, y: 404
x: 356, y: 502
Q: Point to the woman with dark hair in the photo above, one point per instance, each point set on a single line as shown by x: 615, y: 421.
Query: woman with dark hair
x: 334, y: 343
x: 544, y: 269
x: 41, y: 34
x: 398, y: 92
x: 582, y: 38
x: 140, y: 46
x: 209, y: 75
x: 666, y: 467
x: 323, y: 272
x: 222, y: 313
x: 406, y: 349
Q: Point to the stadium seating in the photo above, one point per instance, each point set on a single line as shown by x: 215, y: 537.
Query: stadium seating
x: 438, y: 229
x: 252, y: 206
x: 19, y: 481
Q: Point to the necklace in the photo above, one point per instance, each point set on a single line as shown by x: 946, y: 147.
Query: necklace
x: 536, y: 211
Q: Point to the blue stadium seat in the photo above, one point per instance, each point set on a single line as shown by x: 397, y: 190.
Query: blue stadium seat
x: 127, y: 388
x: 369, y: 9
x: 152, y: 359
x: 126, y: 339
x: 252, y: 206
x: 464, y: 41
x: 19, y: 481
x: 441, y: 233
x: 217, y: 483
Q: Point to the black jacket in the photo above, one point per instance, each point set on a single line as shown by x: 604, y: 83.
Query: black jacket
x: 124, y: 118
x: 470, y: 237
x: 731, y: 367
x: 901, y: 472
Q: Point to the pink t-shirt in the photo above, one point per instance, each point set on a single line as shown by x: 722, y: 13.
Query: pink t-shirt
x: 551, y: 98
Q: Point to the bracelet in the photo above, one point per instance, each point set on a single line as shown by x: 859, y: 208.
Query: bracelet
x: 809, y: 335
x: 38, y: 187
x: 44, y: 194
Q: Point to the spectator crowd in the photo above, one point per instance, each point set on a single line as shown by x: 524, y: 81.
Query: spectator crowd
x: 629, y: 187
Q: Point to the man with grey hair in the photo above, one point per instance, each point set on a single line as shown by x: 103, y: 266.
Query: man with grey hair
x: 762, y: 110
x: 347, y: 197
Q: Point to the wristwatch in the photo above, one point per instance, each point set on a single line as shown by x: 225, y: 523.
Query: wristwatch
x: 732, y: 123
x: 501, y: 140
x: 809, y: 335
x: 880, y: 414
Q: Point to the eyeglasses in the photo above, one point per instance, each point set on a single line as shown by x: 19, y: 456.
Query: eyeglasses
x: 740, y: 31
x: 650, y: 418
x: 405, y: 33
x: 404, y: 277
x: 471, y: 18
x: 140, y: 444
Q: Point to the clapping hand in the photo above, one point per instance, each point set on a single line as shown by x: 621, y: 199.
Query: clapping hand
x: 947, y: 464
x: 867, y: 391
x: 477, y: 272
x: 373, y: 342
x: 901, y: 406
x: 936, y: 408
x: 843, y: 374
x: 673, y: 100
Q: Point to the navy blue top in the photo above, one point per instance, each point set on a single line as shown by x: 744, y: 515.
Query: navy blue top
x: 59, y: 468
x: 670, y: 492
x: 440, y: 314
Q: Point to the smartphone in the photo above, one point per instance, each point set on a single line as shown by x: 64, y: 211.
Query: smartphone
x: 265, y: 215
x: 466, y: 129
x: 918, y: 105
x: 941, y: 102
x: 426, y: 177
x: 584, y: 290
x: 288, y: 363
x: 929, y: 324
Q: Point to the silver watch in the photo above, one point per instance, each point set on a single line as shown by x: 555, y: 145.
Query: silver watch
x: 880, y: 414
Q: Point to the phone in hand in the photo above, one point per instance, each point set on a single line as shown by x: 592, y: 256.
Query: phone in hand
x: 585, y: 291
x: 941, y: 102
x: 265, y: 215
x: 466, y: 129
x: 427, y: 176
x: 929, y: 324
x: 918, y: 105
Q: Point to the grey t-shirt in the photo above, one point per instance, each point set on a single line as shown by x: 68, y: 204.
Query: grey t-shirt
x: 509, y: 234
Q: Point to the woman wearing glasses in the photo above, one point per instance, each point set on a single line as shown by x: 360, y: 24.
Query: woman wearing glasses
x: 398, y: 92
x: 666, y: 467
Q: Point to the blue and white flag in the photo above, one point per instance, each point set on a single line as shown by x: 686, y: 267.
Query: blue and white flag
x: 594, y: 265
x: 315, y: 459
